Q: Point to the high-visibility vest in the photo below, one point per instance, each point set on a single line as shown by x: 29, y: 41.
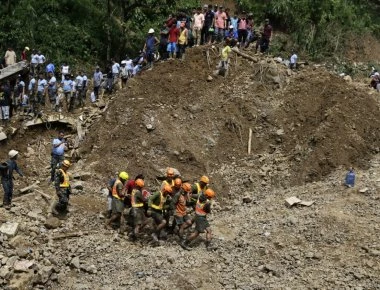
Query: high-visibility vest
x: 65, y: 183
x: 199, y: 189
x: 114, y: 190
x: 165, y: 182
x: 199, y: 208
x: 133, y: 200
x: 161, y: 204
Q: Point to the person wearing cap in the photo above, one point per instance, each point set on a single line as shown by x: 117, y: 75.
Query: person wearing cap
x: 220, y: 24
x: 231, y: 33
x: 118, y: 195
x: 23, y: 54
x: 62, y: 189
x: 7, y: 169
x: 10, y: 57
x: 150, y: 47
x: 123, y: 73
x: 199, y: 20
x: 266, y: 36
x: 97, y: 81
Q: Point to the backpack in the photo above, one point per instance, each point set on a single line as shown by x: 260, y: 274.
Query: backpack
x: 4, y: 169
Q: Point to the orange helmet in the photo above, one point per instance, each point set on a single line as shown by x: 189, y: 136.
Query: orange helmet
x: 167, y: 188
x: 186, y: 187
x: 169, y: 171
x: 210, y: 193
x: 139, y: 183
x: 205, y: 179
x: 177, y: 182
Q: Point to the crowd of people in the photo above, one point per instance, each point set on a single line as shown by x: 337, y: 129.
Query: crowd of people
x: 130, y: 203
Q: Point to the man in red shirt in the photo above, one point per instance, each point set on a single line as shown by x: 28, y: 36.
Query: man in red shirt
x: 172, y: 41
x: 266, y: 36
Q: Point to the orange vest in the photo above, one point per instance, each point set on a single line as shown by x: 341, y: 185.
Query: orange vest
x: 114, y: 190
x: 133, y: 200
x: 199, y: 208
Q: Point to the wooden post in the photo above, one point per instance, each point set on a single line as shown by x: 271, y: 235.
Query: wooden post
x: 250, y: 141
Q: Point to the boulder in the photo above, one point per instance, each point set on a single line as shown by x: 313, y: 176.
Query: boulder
x: 23, y: 265
x: 75, y: 262
x: 10, y: 229
x: 52, y: 223
x: 21, y: 281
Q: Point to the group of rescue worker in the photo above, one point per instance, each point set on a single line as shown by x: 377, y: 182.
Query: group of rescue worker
x: 175, y: 198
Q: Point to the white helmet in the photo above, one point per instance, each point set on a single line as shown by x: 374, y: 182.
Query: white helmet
x: 12, y: 153
x: 123, y: 62
x: 151, y: 30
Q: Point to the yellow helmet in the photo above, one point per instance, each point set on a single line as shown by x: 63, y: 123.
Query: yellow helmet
x: 205, y: 179
x: 66, y: 163
x: 123, y: 175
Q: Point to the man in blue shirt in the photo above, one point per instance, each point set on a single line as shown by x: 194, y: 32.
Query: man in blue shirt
x: 67, y: 85
x: 52, y: 90
x: 41, y: 89
x: 57, y: 153
x: 6, y: 170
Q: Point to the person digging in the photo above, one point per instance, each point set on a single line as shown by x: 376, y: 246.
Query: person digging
x: 62, y: 189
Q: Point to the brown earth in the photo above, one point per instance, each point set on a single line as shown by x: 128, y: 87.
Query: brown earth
x: 308, y: 127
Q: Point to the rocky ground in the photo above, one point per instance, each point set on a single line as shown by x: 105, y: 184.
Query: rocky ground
x: 307, y: 128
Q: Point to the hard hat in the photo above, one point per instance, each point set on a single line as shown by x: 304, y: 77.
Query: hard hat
x: 66, y: 163
x: 210, y: 193
x: 231, y: 26
x: 123, y: 175
x: 205, y: 179
x: 169, y: 171
x: 151, y: 30
x: 123, y: 62
x: 12, y: 153
x: 139, y: 182
x: 27, y: 48
x: 167, y: 188
x: 186, y: 187
x: 178, y: 182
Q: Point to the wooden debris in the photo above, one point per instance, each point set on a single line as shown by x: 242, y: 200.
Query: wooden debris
x: 244, y: 55
x: 28, y: 188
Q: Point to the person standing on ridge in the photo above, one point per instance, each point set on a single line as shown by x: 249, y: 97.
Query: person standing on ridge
x: 7, y: 169
x: 150, y: 47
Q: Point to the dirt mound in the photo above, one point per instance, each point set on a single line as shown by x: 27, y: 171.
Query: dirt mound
x: 172, y: 116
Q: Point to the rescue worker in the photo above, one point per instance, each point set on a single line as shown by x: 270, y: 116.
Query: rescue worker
x: 169, y: 206
x: 169, y: 178
x: 57, y: 153
x: 156, y: 207
x: 7, y: 169
x: 180, y: 201
x: 197, y: 188
x: 202, y: 209
x: 62, y: 188
x: 138, y: 212
x: 110, y: 185
x: 118, y: 194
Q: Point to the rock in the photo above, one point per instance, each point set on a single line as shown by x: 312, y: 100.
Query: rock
x: 21, y: 281
x: 77, y: 185
x: 149, y: 127
x: 19, y: 241
x: 82, y: 175
x: 247, y: 199
x: 52, y: 223
x: 3, y: 136
x: 44, y: 274
x: 11, y: 261
x: 364, y: 190
x: 209, y: 78
x: 104, y: 192
x: 292, y: 201
x: 347, y: 79
x: 23, y: 265
x: 10, y: 229
x: 5, y: 272
x: 75, y: 262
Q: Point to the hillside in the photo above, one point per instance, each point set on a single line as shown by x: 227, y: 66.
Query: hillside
x: 308, y: 127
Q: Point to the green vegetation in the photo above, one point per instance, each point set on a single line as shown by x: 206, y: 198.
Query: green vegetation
x: 82, y: 31
x: 318, y: 27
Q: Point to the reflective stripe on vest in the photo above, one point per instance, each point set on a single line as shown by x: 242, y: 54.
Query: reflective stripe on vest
x: 199, y: 208
x: 114, y: 190
x: 65, y: 183
x: 167, y: 183
x: 133, y: 200
x: 162, y: 201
